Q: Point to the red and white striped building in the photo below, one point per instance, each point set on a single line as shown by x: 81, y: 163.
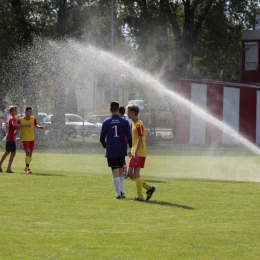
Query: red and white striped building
x: 235, y: 104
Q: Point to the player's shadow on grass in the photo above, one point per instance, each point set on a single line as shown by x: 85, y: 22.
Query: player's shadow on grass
x: 165, y: 203
x: 155, y: 181
x: 48, y: 174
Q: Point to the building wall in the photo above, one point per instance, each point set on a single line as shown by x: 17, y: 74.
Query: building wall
x: 236, y: 105
x: 247, y: 115
x: 231, y: 97
x: 181, y: 124
x: 215, y: 108
x: 197, y: 122
x: 250, y: 76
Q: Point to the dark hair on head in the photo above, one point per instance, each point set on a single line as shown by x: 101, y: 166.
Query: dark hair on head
x: 133, y: 108
x: 12, y: 108
x: 122, y: 110
x: 28, y: 108
x: 114, y: 106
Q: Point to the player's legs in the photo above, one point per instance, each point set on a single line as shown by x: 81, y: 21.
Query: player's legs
x: 121, y: 161
x: 2, y: 159
x: 116, y: 182
x: 9, y: 148
x: 10, y: 162
x: 114, y: 163
x: 138, y: 183
x: 135, y: 173
x: 130, y: 175
x: 121, y: 179
x: 125, y: 170
x: 12, y: 149
x: 28, y: 148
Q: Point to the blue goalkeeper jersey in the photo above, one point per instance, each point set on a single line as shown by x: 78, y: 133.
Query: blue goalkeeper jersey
x: 115, y: 133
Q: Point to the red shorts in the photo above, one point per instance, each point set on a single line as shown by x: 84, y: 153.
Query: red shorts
x: 139, y: 164
x: 28, y: 145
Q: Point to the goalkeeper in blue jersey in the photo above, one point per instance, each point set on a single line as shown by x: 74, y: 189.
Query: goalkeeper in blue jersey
x: 113, y: 133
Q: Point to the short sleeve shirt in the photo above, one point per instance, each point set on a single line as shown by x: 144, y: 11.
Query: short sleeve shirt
x: 11, y: 136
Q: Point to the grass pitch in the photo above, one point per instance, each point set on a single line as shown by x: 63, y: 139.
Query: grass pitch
x: 66, y: 210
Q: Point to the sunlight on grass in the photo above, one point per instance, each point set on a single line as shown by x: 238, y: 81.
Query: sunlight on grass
x: 66, y: 210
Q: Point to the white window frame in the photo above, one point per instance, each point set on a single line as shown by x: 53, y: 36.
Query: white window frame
x: 251, y: 55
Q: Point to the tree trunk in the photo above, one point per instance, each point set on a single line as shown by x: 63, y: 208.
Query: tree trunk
x: 24, y: 43
x: 163, y: 45
x: 58, y: 119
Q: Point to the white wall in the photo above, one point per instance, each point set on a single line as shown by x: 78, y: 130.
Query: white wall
x: 231, y: 100
x: 198, y: 124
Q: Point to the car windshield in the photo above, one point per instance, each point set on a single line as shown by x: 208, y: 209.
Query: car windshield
x: 68, y: 118
x: 137, y: 102
x: 74, y: 118
x: 47, y: 118
x: 100, y: 119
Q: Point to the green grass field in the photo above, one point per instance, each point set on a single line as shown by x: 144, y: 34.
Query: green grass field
x: 66, y: 210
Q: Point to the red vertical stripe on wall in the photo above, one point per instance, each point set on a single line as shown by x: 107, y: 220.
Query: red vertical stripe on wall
x: 181, y: 117
x: 247, y: 114
x: 215, y: 108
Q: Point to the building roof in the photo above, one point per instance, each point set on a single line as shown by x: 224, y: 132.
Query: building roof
x: 251, y: 35
x: 226, y: 83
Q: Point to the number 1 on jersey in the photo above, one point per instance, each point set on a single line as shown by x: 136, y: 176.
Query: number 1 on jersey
x: 115, y: 131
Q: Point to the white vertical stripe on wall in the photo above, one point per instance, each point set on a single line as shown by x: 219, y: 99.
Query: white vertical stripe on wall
x: 198, y: 124
x: 231, y: 113
x: 258, y: 118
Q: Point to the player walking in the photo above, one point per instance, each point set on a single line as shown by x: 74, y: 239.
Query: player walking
x: 27, y: 136
x: 112, y: 137
x: 10, y: 146
x: 122, y: 114
x: 138, y: 153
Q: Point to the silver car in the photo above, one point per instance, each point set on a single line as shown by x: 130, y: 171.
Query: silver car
x: 73, y: 121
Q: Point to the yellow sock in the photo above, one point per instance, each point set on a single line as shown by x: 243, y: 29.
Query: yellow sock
x: 27, y: 159
x: 30, y: 158
x: 138, y: 182
x: 146, y: 186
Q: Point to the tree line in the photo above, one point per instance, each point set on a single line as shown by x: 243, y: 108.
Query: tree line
x: 168, y: 38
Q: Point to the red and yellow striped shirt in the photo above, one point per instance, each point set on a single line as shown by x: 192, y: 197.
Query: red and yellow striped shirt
x: 138, y: 129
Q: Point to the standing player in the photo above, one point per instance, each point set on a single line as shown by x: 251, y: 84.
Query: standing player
x: 27, y: 136
x: 112, y: 137
x: 138, y: 153
x: 122, y: 114
x: 10, y: 146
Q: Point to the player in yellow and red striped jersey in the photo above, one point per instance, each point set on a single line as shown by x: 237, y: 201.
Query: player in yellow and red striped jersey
x: 27, y: 136
x: 138, y: 153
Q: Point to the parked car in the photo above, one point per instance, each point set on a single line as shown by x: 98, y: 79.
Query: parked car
x: 98, y: 119
x: 74, y: 125
x: 140, y: 103
x: 41, y: 116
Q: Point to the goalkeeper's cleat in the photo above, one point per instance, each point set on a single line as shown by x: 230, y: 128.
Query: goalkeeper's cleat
x: 137, y: 199
x: 29, y: 171
x: 122, y: 195
x: 150, y: 192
